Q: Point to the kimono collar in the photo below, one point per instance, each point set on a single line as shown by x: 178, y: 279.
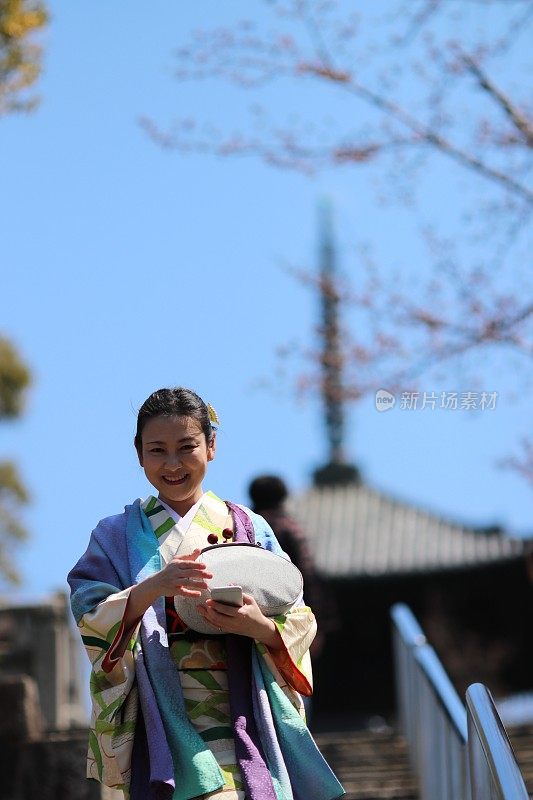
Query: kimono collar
x: 209, y: 515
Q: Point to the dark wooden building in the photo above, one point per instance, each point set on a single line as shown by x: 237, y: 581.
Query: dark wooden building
x: 469, y: 588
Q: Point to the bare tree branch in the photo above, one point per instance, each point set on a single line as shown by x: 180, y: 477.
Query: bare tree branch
x: 519, y: 120
x: 522, y: 463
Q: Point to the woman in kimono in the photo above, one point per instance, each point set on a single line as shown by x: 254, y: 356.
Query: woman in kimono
x: 179, y: 715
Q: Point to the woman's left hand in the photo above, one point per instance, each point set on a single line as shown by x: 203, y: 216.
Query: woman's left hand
x: 248, y: 620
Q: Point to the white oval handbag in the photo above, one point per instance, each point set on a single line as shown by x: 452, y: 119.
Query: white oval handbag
x: 274, y: 582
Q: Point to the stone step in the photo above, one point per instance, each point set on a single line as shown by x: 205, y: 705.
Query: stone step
x: 370, y: 766
x: 521, y: 737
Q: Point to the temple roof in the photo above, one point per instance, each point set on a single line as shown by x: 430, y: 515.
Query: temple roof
x: 355, y: 530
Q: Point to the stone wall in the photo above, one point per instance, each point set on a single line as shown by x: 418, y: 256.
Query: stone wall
x: 40, y: 641
x: 34, y: 762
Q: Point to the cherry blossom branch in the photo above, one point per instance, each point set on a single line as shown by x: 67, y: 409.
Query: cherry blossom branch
x: 421, y: 131
x: 249, y: 59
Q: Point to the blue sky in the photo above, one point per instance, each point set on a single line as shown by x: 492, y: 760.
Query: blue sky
x: 127, y: 268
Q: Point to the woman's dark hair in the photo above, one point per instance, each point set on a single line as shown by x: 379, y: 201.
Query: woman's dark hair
x: 176, y: 402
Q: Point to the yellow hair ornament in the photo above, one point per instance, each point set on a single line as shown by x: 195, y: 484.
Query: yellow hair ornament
x: 213, y: 416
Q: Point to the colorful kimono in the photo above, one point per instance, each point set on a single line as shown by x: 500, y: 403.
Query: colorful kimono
x: 182, y: 715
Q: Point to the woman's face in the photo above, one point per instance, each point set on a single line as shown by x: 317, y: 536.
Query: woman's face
x: 174, y: 457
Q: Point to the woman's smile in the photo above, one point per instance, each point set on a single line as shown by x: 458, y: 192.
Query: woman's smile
x: 174, y: 480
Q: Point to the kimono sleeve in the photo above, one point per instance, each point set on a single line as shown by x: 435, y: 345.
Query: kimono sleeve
x: 297, y: 629
x: 98, y: 604
x: 99, y: 601
x: 107, y: 643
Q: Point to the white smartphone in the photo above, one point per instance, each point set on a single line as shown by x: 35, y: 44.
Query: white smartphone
x: 230, y: 595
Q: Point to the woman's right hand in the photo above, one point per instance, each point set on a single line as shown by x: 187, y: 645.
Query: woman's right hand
x: 184, y: 575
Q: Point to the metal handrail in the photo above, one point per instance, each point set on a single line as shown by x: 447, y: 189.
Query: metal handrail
x: 458, y: 753
x: 407, y: 625
x: 495, y: 774
x: 443, y: 690
x: 432, y: 717
x: 407, y: 636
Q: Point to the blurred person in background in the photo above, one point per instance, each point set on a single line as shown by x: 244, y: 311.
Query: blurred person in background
x: 268, y: 494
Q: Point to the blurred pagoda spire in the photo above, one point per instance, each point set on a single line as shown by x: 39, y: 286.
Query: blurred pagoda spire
x: 337, y: 470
